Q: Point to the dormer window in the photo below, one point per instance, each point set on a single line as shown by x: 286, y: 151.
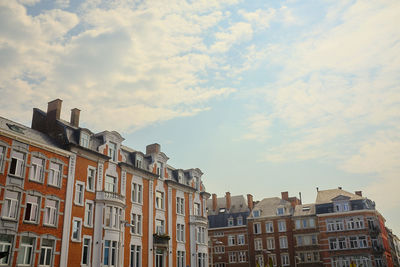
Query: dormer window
x: 342, y: 206
x: 239, y: 221
x: 112, y: 151
x: 84, y: 141
x: 138, y: 162
x: 159, y: 169
x: 180, y: 178
x: 230, y: 222
x: 256, y: 213
x: 280, y: 211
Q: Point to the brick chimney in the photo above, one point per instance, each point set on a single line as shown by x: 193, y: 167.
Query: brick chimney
x: 54, y: 109
x: 358, y: 193
x: 285, y: 195
x: 250, y: 201
x: 75, y: 117
x: 153, y: 149
x: 214, y: 202
x: 228, y: 200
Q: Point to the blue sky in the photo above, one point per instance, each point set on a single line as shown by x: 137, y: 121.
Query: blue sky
x: 263, y: 96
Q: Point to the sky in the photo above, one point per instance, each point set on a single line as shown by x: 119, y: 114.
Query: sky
x: 262, y: 96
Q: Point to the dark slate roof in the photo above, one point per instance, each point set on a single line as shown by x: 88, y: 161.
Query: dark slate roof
x: 221, y: 219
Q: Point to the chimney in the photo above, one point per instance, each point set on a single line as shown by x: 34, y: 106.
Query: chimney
x: 358, y: 193
x: 153, y: 149
x: 214, y: 202
x: 54, y: 109
x: 340, y: 188
x: 75, y: 117
x: 250, y: 201
x: 228, y: 200
x: 285, y: 195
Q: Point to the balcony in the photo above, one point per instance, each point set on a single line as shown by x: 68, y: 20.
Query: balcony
x: 110, y: 196
x: 195, y: 219
x: 378, y: 249
x: 374, y: 230
x: 161, y: 240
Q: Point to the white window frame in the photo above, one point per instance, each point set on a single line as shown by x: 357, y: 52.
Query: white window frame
x: 283, y: 242
x: 232, y: 256
x: 240, y: 239
x: 55, y: 174
x: 79, y: 195
x: 51, y: 213
x: 230, y: 222
x: 280, y: 211
x: 258, y: 245
x: 84, y: 139
x: 90, y: 185
x: 269, y: 227
x: 35, y: 208
x: 6, y: 246
x: 137, y: 193
x: 242, y: 256
x: 282, y: 226
x: 23, y: 253
x: 136, y: 222
x: 112, y: 151
x: 135, y: 256
x: 10, y: 208
x: 79, y: 237
x: 113, y: 185
x: 257, y: 228
x: 285, y: 260
x: 160, y: 199
x: 19, y: 158
x: 196, y: 209
x: 180, y: 232
x: 113, y: 250
x: 160, y: 227
x: 3, y: 154
x: 239, y: 220
x: 49, y: 250
x: 180, y: 205
x: 180, y: 258
x: 36, y: 172
x: 270, y: 243
x: 89, y: 250
x: 231, y: 240
x: 88, y: 220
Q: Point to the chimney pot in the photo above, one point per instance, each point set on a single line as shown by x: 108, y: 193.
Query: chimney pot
x: 153, y: 149
x: 75, y: 117
x: 250, y: 201
x: 228, y: 200
x: 285, y: 195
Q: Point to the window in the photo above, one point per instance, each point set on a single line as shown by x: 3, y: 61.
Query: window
x: 363, y: 241
x: 25, y: 250
x: 355, y: 223
x: 202, y: 259
x: 298, y: 224
x: 136, y: 223
x: 240, y: 240
x: 110, y: 253
x: 88, y: 213
x: 230, y: 222
x: 232, y: 257
x: 201, y: 235
x: 258, y: 244
x: 110, y: 184
x: 197, y: 209
x: 280, y: 211
x: 79, y: 193
x: 180, y: 232
x: 5, y: 246
x: 283, y: 242
x: 159, y: 227
x: 138, y: 162
x: 159, y: 169
x: 76, y: 229
x: 17, y: 164
x: 180, y: 258
x: 260, y: 260
x: 269, y: 227
x: 311, y: 223
x: 84, y: 140
x: 10, y: 206
x: 50, y: 214
x: 54, y: 174
x: 337, y: 243
x: 86, y: 251
x: 46, y: 252
x: 257, y: 228
x: 91, y: 178
x: 2, y: 157
x: 270, y: 243
x: 112, y: 217
x: 335, y: 225
x: 239, y: 221
x: 160, y: 259
x: 285, y: 259
x: 282, y: 226
x: 112, y: 151
x: 180, y: 205
x: 137, y: 193
x: 159, y: 200
x: 32, y: 209
x: 36, y: 171
x: 242, y: 256
x: 341, y: 206
x: 272, y: 259
x: 256, y: 213
x: 231, y: 240
x: 136, y: 260
x: 219, y: 249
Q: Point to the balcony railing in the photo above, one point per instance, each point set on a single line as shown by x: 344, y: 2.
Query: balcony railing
x: 110, y: 196
x: 161, y: 240
x: 195, y: 219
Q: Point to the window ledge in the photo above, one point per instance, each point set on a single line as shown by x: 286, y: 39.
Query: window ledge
x: 50, y: 225
x: 36, y: 181
x: 31, y: 222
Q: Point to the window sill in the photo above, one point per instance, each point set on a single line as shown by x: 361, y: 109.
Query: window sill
x: 78, y: 204
x: 31, y: 222
x: 55, y: 186
x: 75, y: 240
x: 36, y: 181
x: 15, y: 176
x: 9, y: 219
x: 87, y: 226
x: 137, y: 203
x: 50, y: 225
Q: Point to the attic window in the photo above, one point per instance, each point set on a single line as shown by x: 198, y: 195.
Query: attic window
x: 256, y: 213
x: 84, y: 140
x: 280, y: 211
x: 222, y: 210
x: 15, y: 128
x: 306, y: 208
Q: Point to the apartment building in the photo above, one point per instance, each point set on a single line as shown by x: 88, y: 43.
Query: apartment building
x: 351, y: 230
x: 394, y: 243
x: 34, y: 176
x: 228, y: 238
x: 97, y: 202
x: 306, y: 235
x: 270, y: 229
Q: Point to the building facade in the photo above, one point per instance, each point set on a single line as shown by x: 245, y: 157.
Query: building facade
x: 228, y: 236
x: 71, y: 197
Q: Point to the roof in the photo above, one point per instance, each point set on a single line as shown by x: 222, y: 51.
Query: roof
x: 268, y: 206
x: 304, y: 210
x: 238, y: 204
x: 26, y: 132
x: 326, y: 196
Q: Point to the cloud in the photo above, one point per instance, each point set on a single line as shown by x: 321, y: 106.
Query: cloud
x: 260, y: 18
x: 238, y: 32
x: 258, y: 128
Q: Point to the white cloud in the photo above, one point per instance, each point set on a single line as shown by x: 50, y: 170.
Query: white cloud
x: 260, y: 18
x: 238, y: 32
x: 258, y: 128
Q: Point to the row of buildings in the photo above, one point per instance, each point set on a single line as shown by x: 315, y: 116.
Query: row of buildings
x: 71, y: 197
x: 340, y: 229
